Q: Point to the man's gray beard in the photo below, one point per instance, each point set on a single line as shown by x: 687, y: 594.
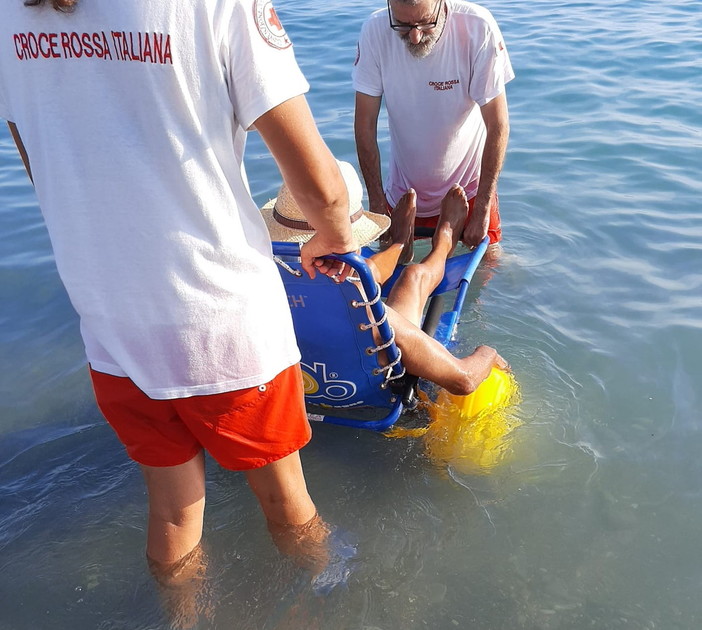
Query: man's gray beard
x: 423, y: 48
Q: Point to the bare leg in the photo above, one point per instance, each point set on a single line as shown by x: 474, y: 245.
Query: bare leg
x: 176, y: 508
x: 296, y: 528
x: 413, y: 288
x: 422, y: 355
x: 383, y: 264
x: 180, y: 585
x: 176, y: 560
x: 425, y: 357
x: 402, y: 226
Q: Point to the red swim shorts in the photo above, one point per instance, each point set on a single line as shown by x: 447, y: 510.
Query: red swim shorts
x: 242, y: 429
x: 494, y: 227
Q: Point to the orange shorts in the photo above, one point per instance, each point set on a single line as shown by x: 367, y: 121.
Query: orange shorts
x: 242, y: 429
x: 494, y: 227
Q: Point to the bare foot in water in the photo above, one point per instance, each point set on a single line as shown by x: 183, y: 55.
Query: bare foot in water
x: 307, y: 544
x: 383, y: 264
x: 182, y: 586
x: 402, y: 226
x: 454, y: 211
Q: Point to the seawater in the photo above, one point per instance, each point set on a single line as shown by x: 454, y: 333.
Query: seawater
x: 593, y: 518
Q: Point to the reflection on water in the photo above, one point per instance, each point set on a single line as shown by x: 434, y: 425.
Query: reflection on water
x: 590, y: 520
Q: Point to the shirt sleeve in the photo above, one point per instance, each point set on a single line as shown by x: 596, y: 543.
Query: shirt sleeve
x: 260, y: 65
x: 4, y: 108
x: 492, y: 68
x: 366, y: 75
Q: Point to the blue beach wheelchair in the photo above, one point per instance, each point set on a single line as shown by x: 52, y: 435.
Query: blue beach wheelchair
x: 345, y: 382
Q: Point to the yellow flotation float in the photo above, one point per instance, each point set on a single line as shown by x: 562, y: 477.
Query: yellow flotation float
x: 471, y: 433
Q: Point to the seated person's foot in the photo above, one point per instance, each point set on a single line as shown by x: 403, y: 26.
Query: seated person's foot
x: 402, y: 226
x: 454, y: 212
x: 383, y: 264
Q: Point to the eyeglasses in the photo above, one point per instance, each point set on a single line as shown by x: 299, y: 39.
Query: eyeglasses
x: 406, y: 28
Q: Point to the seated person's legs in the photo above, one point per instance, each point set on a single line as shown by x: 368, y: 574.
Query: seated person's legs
x: 453, y: 209
x: 494, y: 227
x: 402, y: 226
x: 426, y: 358
x: 410, y: 293
x: 422, y: 355
x: 382, y: 264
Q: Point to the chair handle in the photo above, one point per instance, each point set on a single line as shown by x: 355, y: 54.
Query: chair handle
x: 352, y: 259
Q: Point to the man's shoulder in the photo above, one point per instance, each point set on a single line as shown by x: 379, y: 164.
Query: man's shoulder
x: 377, y: 15
x: 470, y: 10
x: 375, y: 33
x: 377, y: 21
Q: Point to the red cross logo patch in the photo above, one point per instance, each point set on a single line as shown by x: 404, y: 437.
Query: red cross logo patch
x: 269, y: 25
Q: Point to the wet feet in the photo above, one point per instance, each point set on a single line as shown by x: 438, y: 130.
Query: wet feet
x: 402, y: 226
x: 306, y: 544
x: 454, y: 211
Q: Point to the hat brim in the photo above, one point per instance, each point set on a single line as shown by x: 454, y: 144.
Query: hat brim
x: 365, y: 230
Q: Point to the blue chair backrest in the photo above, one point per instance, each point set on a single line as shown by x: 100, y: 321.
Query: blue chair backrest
x: 344, y: 379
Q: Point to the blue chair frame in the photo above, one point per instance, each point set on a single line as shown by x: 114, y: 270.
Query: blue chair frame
x: 345, y: 382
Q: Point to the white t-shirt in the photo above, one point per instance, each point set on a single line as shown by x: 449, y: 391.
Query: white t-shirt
x: 437, y: 133
x: 134, y: 114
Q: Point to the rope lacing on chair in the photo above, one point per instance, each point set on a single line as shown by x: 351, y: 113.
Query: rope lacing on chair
x: 380, y: 322
x: 357, y: 304
x: 295, y: 272
x: 387, y: 369
x: 389, y: 376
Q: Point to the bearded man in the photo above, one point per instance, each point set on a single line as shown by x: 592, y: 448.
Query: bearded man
x: 442, y: 66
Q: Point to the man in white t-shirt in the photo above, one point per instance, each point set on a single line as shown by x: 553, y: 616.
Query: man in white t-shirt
x: 441, y: 66
x: 131, y: 118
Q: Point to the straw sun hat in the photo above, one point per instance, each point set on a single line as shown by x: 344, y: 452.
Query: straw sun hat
x: 286, y: 222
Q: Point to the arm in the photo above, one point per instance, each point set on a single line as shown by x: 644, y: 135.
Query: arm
x: 20, y: 147
x: 366, y: 131
x: 496, y: 118
x: 312, y: 175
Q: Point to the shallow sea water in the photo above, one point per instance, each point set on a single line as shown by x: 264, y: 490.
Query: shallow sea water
x: 591, y: 520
